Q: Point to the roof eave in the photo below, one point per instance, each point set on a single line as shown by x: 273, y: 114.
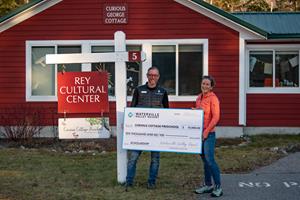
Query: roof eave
x: 284, y: 36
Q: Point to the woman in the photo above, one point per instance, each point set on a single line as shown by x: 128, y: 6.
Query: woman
x: 209, y: 102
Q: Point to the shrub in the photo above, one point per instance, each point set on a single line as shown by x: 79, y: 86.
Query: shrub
x: 21, y: 122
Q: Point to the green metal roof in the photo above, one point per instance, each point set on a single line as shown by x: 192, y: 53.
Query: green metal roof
x: 19, y: 10
x: 277, y: 24
x: 231, y: 17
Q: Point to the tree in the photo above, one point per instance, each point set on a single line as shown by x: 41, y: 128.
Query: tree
x: 241, y: 5
x: 288, y: 5
x: 228, y: 5
x: 7, y: 6
x: 256, y: 5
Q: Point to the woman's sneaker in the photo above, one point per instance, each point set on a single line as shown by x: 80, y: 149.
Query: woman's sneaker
x: 204, y: 189
x: 217, y: 192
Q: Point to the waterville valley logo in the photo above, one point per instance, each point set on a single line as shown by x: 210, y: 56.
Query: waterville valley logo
x: 130, y: 114
x: 143, y: 115
x: 146, y: 115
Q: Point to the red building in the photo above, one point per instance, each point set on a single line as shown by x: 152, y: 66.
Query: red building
x: 256, y: 66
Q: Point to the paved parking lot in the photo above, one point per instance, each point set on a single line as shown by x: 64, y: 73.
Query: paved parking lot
x: 279, y: 181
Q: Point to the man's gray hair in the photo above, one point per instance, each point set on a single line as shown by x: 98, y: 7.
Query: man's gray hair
x: 153, y: 68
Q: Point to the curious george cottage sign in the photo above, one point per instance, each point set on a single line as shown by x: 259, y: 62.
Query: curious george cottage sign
x: 115, y: 13
x: 82, y: 92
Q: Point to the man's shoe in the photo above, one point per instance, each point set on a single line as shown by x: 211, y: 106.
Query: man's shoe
x: 128, y: 185
x: 204, y: 189
x: 217, y: 192
x: 151, y: 186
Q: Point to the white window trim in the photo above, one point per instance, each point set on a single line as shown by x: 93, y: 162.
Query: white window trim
x: 29, y: 45
x: 86, y: 48
x: 270, y: 90
x: 242, y: 81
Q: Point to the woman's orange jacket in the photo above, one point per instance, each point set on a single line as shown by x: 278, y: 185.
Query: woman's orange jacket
x: 210, y: 104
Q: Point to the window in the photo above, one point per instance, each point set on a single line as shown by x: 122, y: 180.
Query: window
x: 133, y: 69
x: 261, y: 68
x: 43, y: 76
x: 109, y: 67
x: 164, y: 58
x: 287, y: 69
x: 69, y: 67
x: 190, y: 61
x: 134, y: 72
x: 274, y: 70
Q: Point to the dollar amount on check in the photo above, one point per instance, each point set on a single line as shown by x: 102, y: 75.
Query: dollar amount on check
x: 170, y: 130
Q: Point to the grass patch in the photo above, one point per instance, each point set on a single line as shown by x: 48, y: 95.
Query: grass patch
x: 42, y: 174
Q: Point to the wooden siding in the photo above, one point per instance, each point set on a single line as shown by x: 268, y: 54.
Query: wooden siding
x: 279, y: 110
x: 148, y: 19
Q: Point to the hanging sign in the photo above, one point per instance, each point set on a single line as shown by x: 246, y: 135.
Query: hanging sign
x: 83, y: 128
x: 115, y: 13
x: 82, y: 92
x: 170, y: 130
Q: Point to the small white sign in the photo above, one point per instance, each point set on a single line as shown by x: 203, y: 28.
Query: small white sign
x: 170, y: 130
x: 83, y: 128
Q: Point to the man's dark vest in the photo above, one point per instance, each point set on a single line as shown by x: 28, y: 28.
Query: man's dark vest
x: 150, y: 98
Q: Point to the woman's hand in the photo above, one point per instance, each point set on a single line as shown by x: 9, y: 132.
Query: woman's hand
x: 205, y: 135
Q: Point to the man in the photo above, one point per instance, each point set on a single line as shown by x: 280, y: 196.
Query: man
x: 149, y: 95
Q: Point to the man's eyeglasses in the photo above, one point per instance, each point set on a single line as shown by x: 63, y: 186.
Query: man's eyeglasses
x: 152, y: 75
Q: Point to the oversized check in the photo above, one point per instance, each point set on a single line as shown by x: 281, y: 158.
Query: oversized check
x: 170, y: 130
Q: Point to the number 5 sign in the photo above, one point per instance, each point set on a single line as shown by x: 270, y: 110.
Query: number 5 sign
x: 134, y: 56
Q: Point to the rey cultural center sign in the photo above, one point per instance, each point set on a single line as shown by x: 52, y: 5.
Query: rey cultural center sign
x: 82, y: 92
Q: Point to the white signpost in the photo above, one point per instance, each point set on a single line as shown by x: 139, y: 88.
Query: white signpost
x: 120, y: 57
